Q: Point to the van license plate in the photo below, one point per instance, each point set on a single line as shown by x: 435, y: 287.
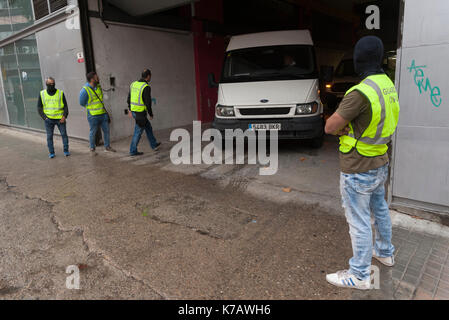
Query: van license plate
x: 264, y: 126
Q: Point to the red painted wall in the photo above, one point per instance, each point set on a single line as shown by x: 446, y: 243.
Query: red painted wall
x: 209, y: 53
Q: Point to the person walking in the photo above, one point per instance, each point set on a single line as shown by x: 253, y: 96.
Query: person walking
x: 53, y: 109
x: 91, y: 97
x: 140, y: 103
x: 366, y: 120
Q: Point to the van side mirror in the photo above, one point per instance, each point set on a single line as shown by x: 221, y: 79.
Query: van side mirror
x: 211, y: 80
x: 326, y: 73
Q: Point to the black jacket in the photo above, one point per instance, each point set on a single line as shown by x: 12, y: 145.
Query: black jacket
x: 146, y: 95
x: 40, y: 106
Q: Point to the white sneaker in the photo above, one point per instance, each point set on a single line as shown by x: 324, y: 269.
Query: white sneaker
x: 344, y: 279
x: 387, y: 261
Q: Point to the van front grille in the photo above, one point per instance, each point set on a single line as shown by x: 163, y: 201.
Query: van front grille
x: 263, y: 111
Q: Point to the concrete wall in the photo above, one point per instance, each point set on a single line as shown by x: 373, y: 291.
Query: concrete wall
x: 58, y: 59
x: 421, y: 168
x: 123, y: 52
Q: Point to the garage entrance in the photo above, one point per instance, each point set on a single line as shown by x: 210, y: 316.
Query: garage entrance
x: 185, y: 41
x: 335, y: 27
x: 195, y: 35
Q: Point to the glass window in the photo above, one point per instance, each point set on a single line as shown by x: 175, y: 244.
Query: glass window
x: 30, y: 73
x: 57, y: 4
x: 346, y: 69
x: 22, y: 82
x: 270, y: 63
x: 41, y: 8
x: 5, y: 20
x: 21, y: 14
x: 15, y: 15
x: 12, y: 85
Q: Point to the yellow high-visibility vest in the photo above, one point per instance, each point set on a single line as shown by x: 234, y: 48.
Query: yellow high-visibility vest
x: 136, y: 99
x: 53, y: 105
x: 384, y: 101
x: 95, y: 103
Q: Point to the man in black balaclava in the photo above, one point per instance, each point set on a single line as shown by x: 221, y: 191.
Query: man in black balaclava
x: 368, y: 56
x: 365, y: 121
x: 53, y: 109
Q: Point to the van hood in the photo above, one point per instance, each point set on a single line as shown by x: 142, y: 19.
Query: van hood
x: 276, y: 92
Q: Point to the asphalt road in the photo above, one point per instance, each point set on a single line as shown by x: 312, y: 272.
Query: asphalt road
x: 144, y: 232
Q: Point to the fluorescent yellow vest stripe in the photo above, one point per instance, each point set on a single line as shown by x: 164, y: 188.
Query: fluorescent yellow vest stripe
x: 94, y: 104
x: 53, y: 105
x: 384, y: 101
x: 136, y: 99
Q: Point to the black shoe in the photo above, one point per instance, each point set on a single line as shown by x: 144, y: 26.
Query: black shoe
x: 136, y: 154
x: 109, y: 149
x: 157, y: 146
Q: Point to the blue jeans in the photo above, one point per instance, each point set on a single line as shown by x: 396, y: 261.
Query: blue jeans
x: 363, y: 194
x: 138, y: 134
x: 50, y: 128
x: 94, y: 123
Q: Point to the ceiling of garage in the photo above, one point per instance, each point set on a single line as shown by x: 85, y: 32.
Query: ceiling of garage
x: 144, y: 7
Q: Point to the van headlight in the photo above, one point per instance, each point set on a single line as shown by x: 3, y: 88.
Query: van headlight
x: 306, y: 108
x: 225, y: 111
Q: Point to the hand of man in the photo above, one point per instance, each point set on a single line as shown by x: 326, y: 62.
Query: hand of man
x: 343, y: 131
x: 130, y: 114
x: 62, y: 120
x: 151, y: 118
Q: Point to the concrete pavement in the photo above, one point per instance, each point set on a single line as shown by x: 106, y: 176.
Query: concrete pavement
x: 145, y: 229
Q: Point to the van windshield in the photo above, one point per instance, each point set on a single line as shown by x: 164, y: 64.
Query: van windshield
x: 270, y: 63
x: 345, y: 69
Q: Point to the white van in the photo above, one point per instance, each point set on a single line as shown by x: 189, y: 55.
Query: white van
x: 270, y: 82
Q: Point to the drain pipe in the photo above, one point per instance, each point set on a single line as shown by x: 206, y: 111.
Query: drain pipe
x: 100, y: 10
x: 86, y: 36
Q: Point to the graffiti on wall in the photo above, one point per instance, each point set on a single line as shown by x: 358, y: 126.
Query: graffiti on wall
x: 423, y: 84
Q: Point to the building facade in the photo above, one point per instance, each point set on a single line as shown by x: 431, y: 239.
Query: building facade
x: 44, y: 38
x: 39, y: 39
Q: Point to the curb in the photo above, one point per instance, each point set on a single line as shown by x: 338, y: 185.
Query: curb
x: 418, y: 225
